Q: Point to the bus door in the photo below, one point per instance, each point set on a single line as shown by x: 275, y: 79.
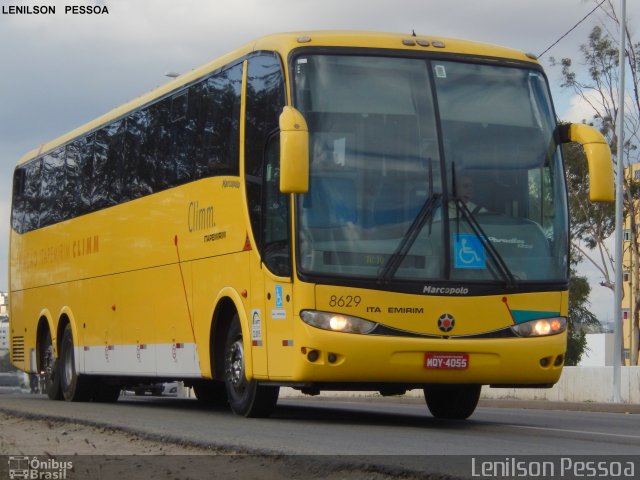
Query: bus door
x: 279, y: 322
x: 276, y: 258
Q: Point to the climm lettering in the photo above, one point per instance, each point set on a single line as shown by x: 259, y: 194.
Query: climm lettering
x: 85, y: 246
x: 199, y: 218
x: 28, y: 9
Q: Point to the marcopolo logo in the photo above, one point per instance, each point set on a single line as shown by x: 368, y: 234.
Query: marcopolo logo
x: 431, y: 290
x: 34, y: 468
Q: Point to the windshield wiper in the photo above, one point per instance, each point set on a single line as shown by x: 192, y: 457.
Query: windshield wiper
x: 478, y: 231
x: 391, y: 266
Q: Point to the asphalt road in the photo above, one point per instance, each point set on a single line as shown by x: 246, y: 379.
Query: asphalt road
x: 390, y: 432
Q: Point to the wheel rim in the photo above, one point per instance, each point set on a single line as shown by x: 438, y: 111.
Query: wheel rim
x: 235, y: 366
x: 47, y: 361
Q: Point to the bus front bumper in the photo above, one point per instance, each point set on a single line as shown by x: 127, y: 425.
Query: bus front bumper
x: 332, y: 357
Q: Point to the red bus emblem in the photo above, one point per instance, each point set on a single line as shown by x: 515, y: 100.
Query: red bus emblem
x: 446, y: 322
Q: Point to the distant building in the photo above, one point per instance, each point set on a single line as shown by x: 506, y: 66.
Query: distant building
x: 4, y: 336
x: 629, y: 342
x: 4, y: 324
x: 4, y: 304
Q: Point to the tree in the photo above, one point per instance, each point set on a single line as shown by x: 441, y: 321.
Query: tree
x: 597, y: 86
x: 589, y: 223
x: 581, y: 320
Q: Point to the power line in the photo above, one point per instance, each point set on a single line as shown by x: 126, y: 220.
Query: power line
x: 572, y: 28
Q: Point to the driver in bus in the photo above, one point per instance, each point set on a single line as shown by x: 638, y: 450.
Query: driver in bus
x: 464, y: 192
x: 464, y: 187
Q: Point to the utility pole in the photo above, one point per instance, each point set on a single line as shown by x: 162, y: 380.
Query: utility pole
x: 617, y: 353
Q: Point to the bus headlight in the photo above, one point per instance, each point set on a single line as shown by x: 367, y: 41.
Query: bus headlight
x: 541, y: 327
x: 337, y: 322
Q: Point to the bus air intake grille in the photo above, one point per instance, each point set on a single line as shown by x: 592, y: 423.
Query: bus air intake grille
x: 17, y: 349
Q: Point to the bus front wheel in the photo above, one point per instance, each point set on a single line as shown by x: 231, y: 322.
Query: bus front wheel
x: 452, y: 402
x: 246, y: 397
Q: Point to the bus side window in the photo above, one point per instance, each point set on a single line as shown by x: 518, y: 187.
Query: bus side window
x: 220, y: 128
x: 157, y: 159
x: 135, y: 181
x: 167, y: 143
x: 186, y: 139
x: 178, y: 124
x: 31, y: 219
x: 53, y: 187
x: 18, y: 202
x: 107, y: 164
x: 265, y: 100
x: 74, y: 198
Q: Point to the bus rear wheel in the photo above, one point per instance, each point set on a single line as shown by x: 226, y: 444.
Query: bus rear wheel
x: 452, y: 402
x: 246, y: 397
x: 49, y: 368
x: 74, y: 388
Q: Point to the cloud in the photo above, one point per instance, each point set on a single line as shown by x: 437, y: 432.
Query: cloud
x: 61, y: 71
x: 580, y: 110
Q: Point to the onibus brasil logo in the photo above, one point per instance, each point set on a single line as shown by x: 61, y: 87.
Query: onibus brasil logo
x: 36, y: 469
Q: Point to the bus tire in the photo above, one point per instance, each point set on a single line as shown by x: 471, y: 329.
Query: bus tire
x: 49, y: 367
x: 246, y: 397
x: 211, y: 392
x: 452, y: 402
x: 74, y: 387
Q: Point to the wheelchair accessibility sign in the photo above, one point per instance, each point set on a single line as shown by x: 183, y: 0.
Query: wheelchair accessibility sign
x: 468, y: 252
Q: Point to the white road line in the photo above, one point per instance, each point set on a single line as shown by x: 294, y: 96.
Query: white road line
x: 583, y: 432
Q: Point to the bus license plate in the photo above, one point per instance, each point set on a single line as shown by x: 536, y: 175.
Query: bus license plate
x: 446, y: 361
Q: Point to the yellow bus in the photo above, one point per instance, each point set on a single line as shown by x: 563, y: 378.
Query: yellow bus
x: 321, y: 211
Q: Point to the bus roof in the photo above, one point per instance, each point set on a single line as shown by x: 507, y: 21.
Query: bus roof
x: 284, y: 43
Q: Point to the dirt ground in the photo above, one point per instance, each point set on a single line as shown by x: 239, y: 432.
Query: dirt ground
x: 103, y: 453
x: 22, y: 436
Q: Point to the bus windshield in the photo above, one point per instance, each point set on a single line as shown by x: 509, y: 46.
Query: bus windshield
x: 426, y: 169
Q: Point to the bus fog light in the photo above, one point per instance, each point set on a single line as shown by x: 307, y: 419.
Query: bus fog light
x: 336, y: 322
x: 540, y: 327
x: 313, y: 355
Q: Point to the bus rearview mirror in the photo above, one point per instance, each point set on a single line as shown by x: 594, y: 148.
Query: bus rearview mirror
x: 598, y: 156
x: 294, y: 152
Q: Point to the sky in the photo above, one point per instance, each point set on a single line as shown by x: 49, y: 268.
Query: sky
x: 60, y: 71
